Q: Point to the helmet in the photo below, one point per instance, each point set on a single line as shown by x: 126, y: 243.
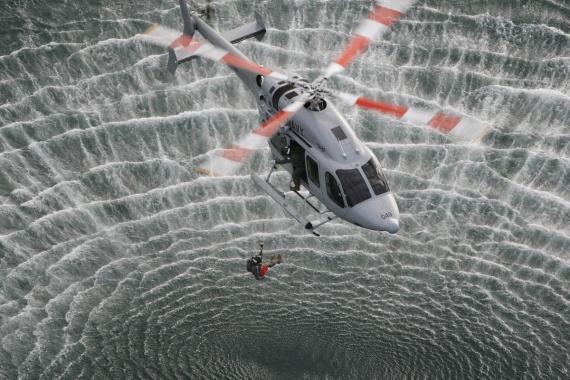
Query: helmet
x: 257, y: 259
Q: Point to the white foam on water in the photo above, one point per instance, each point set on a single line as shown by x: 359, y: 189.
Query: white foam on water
x: 115, y: 253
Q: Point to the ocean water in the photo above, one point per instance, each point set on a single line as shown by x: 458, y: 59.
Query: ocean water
x: 119, y: 260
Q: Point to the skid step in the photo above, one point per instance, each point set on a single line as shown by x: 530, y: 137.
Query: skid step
x: 279, y: 197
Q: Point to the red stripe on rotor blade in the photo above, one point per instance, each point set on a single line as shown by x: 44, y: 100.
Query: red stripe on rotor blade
x: 385, y: 16
x: 241, y: 63
x: 444, y: 123
x: 356, y: 46
x: 271, y: 126
x: 236, y: 153
x: 182, y: 41
x: 392, y: 109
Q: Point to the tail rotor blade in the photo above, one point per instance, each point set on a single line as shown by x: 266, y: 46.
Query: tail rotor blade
x: 234, y: 156
x: 460, y: 127
x: 378, y: 23
x: 165, y: 37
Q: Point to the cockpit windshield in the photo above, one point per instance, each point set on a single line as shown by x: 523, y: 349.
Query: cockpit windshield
x: 355, y: 187
x: 374, y: 174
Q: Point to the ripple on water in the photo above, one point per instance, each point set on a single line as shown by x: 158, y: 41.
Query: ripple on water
x: 117, y: 258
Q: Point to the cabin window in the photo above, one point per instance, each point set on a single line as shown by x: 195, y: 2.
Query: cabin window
x: 355, y: 187
x: 272, y: 89
x: 333, y: 189
x: 313, y: 169
x: 259, y: 80
x: 375, y: 176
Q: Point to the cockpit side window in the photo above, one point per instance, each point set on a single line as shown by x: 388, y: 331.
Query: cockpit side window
x: 375, y: 176
x: 355, y: 187
x: 333, y: 189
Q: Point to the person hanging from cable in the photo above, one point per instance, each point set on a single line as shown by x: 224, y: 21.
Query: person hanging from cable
x: 257, y: 268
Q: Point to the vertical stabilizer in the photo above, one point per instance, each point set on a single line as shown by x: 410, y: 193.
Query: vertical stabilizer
x: 172, y: 64
x: 189, y: 28
x: 260, y: 26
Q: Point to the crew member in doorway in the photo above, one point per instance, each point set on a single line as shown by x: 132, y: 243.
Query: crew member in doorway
x: 257, y: 268
x: 295, y: 155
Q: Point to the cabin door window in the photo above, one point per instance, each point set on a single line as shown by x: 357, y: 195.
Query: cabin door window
x: 313, y: 170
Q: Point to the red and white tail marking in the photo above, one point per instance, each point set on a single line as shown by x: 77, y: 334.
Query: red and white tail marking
x: 384, y: 15
x: 184, y: 44
x: 233, y: 156
x: 462, y: 128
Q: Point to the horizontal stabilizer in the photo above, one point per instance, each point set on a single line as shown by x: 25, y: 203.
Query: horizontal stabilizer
x: 281, y: 201
x: 253, y: 29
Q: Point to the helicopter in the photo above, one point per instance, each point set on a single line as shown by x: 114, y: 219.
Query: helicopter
x: 339, y: 170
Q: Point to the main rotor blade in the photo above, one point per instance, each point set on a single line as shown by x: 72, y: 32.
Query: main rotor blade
x: 166, y: 37
x: 460, y: 127
x: 234, y: 155
x: 378, y: 23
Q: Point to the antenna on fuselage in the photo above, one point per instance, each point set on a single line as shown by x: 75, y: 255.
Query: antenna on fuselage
x: 341, y: 148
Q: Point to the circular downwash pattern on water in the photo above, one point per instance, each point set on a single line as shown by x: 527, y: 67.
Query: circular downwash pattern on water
x: 119, y: 260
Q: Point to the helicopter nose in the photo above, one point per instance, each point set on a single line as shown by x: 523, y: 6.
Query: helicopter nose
x: 379, y: 213
x: 390, y: 225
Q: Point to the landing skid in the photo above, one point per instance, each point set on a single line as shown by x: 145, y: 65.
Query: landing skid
x: 279, y: 197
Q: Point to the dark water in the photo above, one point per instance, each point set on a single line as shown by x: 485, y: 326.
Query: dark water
x: 118, y: 260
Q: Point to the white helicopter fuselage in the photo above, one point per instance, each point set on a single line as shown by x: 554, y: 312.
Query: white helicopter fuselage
x: 334, y: 165
x: 340, y: 171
